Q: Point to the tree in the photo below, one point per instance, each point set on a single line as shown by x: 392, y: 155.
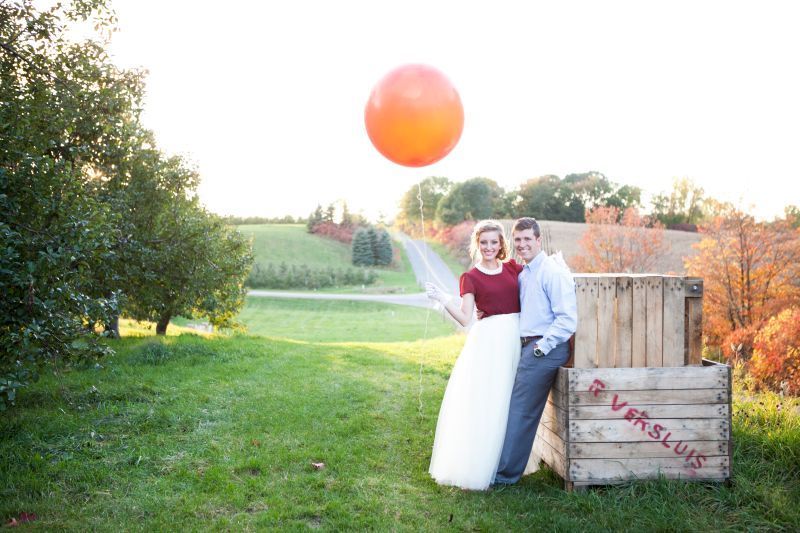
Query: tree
x: 363, y: 254
x: 547, y: 198
x: 432, y: 189
x: 750, y: 270
x: 62, y: 110
x: 314, y: 219
x: 383, y: 251
x: 684, y: 205
x: 615, y: 243
x: 474, y: 199
x: 776, y: 354
x: 198, y: 268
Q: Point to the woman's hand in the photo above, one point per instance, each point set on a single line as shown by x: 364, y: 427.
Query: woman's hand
x: 436, y: 294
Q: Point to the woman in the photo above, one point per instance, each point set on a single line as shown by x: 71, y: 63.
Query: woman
x: 474, y: 411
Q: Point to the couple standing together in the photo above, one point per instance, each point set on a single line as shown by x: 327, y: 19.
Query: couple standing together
x: 500, y: 382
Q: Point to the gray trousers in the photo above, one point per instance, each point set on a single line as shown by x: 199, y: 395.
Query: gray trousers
x: 535, y: 376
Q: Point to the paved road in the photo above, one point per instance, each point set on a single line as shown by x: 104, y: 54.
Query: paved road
x: 417, y: 299
x: 427, y: 265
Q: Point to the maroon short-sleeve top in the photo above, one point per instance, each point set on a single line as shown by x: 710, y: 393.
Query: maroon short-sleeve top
x: 495, y: 294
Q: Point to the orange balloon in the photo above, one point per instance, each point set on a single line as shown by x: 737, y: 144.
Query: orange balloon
x: 414, y: 116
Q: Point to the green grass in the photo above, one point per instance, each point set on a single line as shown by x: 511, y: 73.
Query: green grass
x: 339, y: 320
x: 220, y: 433
x: 293, y: 245
x: 455, y: 264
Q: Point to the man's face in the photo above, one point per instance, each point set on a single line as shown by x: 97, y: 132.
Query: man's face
x: 526, y: 244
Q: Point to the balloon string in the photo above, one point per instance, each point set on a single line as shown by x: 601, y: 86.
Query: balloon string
x: 428, y: 312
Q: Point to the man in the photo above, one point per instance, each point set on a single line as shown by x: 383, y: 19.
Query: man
x: 548, y: 319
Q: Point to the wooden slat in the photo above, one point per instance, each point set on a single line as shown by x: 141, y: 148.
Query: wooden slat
x: 624, y: 431
x: 556, y: 419
x: 674, y: 308
x: 605, y: 469
x: 550, y: 437
x: 615, y: 450
x: 606, y: 302
x: 648, y: 378
x: 665, y: 396
x: 623, y: 323
x: 551, y: 456
x: 654, y: 320
x: 638, y: 322
x: 562, y: 380
x: 654, y: 411
x: 586, y: 334
x: 694, y: 330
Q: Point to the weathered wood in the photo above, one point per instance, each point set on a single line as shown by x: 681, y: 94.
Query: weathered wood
x: 693, y: 287
x: 561, y: 382
x: 605, y: 469
x: 694, y: 330
x: 623, y: 323
x: 648, y: 378
x: 606, y: 303
x: 673, y: 313
x: 616, y: 450
x: 654, y: 411
x: 556, y: 419
x: 552, y: 457
x: 654, y: 320
x: 550, y: 437
x: 586, y: 335
x: 638, y: 322
x: 665, y: 396
x: 673, y: 430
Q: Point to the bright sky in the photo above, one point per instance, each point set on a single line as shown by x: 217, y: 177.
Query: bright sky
x: 267, y: 98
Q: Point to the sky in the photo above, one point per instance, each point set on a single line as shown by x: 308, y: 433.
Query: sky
x: 267, y: 98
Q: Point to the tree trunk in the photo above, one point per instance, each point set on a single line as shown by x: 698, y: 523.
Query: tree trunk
x: 112, y: 328
x: 163, y: 322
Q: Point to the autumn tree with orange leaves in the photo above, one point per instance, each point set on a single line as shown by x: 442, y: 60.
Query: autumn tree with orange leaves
x: 751, y: 272
x: 620, y: 241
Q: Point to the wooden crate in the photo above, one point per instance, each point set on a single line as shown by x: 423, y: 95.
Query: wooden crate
x: 611, y: 425
x: 630, y: 320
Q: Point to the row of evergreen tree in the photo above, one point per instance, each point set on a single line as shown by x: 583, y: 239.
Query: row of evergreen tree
x: 372, y: 247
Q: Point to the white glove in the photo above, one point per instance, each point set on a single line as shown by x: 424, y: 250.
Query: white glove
x: 437, y: 294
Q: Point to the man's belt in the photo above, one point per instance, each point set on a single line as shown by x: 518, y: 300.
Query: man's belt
x: 527, y: 340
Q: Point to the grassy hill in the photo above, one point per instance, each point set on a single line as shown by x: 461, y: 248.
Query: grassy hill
x: 293, y: 245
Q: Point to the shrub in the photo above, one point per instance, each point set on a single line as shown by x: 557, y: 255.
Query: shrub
x: 283, y: 276
x: 776, y: 356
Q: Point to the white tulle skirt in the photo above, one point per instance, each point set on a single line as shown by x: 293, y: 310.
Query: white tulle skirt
x: 474, y: 412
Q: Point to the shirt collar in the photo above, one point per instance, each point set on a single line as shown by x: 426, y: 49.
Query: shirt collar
x: 536, y: 261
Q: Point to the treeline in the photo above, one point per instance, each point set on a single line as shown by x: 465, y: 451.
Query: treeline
x: 441, y: 201
x: 95, y: 221
x: 370, y: 245
x: 283, y: 276
x: 241, y: 221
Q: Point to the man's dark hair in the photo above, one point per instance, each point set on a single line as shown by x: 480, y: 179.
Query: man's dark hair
x: 527, y: 223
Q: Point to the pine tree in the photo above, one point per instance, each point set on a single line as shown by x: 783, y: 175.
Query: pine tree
x: 314, y: 219
x: 362, y: 247
x: 383, y: 250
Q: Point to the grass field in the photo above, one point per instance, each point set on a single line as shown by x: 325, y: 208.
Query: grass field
x: 293, y: 245
x: 223, y: 433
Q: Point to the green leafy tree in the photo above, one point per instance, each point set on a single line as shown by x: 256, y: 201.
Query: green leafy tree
x: 548, y: 198
x: 474, y: 199
x: 433, y: 189
x: 62, y: 110
x: 198, y: 265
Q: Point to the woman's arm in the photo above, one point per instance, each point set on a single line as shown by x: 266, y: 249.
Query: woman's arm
x: 462, y: 314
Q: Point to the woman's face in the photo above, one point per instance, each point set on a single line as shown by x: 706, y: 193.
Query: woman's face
x: 489, y: 244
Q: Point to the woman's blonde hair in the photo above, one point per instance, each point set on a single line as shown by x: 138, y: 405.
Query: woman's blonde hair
x: 482, y: 227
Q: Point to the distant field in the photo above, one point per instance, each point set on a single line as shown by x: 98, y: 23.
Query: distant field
x: 293, y: 245
x: 566, y: 236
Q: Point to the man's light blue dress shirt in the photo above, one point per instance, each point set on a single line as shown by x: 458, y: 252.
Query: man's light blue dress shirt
x: 549, y: 305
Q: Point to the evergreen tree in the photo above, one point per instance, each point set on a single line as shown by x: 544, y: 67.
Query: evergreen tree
x: 362, y: 247
x: 314, y: 219
x: 383, y: 248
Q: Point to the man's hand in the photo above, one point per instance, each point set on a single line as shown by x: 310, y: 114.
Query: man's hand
x: 480, y: 314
